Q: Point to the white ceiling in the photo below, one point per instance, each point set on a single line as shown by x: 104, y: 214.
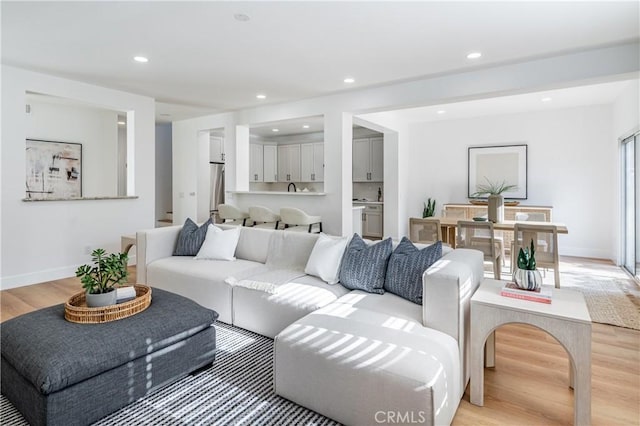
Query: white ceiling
x: 596, y: 94
x: 202, y: 60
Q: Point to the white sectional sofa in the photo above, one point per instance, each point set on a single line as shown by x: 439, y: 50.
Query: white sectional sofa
x: 357, y: 357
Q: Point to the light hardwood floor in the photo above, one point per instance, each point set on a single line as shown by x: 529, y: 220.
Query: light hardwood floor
x: 528, y: 386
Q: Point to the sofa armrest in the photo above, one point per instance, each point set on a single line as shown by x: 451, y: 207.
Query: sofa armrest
x: 153, y: 244
x: 446, y: 301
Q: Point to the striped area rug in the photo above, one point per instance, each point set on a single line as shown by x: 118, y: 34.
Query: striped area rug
x: 236, y: 390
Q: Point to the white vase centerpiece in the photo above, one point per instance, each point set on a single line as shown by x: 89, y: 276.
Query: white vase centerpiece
x: 493, y: 191
x: 101, y: 279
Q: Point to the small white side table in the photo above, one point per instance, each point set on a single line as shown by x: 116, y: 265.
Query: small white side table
x: 566, y: 318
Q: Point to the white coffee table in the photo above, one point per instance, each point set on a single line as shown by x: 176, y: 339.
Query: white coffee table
x: 566, y: 318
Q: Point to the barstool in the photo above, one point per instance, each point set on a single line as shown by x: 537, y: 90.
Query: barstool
x: 296, y: 219
x: 232, y: 213
x: 263, y: 217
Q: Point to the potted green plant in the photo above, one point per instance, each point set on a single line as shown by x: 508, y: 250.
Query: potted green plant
x: 493, y: 191
x: 526, y: 276
x: 101, y: 279
x: 429, y: 208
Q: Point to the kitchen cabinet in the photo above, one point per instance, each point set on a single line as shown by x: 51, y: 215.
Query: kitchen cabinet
x: 372, y: 220
x: 216, y: 149
x: 289, y: 163
x: 368, y: 160
x: 312, y: 162
x: 270, y: 163
x: 256, y: 162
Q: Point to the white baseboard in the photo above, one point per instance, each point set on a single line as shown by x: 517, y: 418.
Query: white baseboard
x: 589, y: 253
x: 30, y: 278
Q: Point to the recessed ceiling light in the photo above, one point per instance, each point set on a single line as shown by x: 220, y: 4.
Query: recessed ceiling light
x: 122, y: 123
x: 140, y: 59
x: 261, y: 96
x: 275, y: 130
x: 349, y: 80
x: 441, y: 111
x: 165, y: 115
x: 305, y: 126
x: 547, y: 99
x: 474, y: 55
x: 241, y: 17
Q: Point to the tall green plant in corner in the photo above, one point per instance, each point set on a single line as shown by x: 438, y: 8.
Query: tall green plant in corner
x: 106, y: 273
x: 429, y: 208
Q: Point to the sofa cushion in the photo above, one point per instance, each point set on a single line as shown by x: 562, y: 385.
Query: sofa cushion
x: 290, y: 250
x: 254, y: 244
x: 326, y: 256
x: 190, y: 238
x: 402, y: 310
x: 406, y: 266
x: 219, y: 244
x: 364, y: 266
x: 201, y: 281
x: 268, y: 313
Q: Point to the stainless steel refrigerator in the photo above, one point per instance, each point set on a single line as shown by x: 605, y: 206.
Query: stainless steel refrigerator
x: 217, y: 189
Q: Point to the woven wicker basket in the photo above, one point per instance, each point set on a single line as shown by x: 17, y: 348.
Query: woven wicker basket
x: 76, y: 310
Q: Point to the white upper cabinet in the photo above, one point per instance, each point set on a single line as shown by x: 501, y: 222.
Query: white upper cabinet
x: 377, y: 160
x: 270, y: 164
x: 289, y: 163
x: 216, y: 149
x: 256, y: 166
x: 368, y: 160
x: 312, y: 162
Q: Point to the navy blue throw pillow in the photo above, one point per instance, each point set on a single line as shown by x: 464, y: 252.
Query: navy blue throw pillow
x: 191, y: 238
x: 363, y: 266
x: 406, y: 267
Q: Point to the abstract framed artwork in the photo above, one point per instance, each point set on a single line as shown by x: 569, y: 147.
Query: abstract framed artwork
x: 499, y: 164
x: 53, y: 170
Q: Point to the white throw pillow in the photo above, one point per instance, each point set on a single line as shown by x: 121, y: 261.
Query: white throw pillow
x: 219, y: 244
x: 325, y: 258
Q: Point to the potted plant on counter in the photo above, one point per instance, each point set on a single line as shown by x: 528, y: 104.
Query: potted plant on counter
x: 494, y: 190
x: 526, y: 276
x: 101, y: 279
x: 429, y: 208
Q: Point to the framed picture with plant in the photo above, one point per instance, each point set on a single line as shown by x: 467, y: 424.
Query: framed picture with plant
x: 504, y: 167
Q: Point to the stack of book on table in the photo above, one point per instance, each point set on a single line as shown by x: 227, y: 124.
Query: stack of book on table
x: 541, y: 295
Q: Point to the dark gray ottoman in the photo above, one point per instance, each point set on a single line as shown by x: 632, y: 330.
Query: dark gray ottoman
x: 60, y: 373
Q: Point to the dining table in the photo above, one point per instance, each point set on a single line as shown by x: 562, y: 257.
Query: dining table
x: 448, y: 226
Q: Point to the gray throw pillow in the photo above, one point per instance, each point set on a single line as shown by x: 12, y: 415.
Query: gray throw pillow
x: 406, y: 267
x: 191, y: 238
x: 363, y: 267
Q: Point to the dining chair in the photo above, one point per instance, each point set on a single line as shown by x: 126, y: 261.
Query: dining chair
x: 424, y: 230
x: 528, y: 217
x: 546, y: 255
x: 480, y: 236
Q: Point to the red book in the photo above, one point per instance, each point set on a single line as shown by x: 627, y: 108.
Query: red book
x: 542, y: 295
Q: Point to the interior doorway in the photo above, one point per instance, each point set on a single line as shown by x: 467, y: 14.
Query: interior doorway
x: 630, y: 210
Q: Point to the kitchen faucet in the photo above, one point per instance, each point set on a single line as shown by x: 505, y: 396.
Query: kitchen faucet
x: 289, y: 187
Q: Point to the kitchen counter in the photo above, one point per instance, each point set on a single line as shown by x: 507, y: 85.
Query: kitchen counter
x: 363, y: 203
x: 277, y: 193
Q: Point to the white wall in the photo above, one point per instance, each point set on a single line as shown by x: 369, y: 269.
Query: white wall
x: 571, y: 166
x: 96, y: 129
x: 47, y: 240
x: 163, y: 170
